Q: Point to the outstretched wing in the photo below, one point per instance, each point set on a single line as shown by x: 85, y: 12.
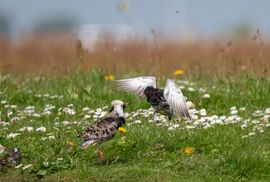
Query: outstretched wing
x: 175, y: 99
x: 136, y: 85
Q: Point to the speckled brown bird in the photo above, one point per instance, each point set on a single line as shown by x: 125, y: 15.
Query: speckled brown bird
x: 104, y: 128
x: 168, y: 101
x: 9, y: 157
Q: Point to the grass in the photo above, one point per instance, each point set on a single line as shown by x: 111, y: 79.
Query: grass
x: 147, y: 152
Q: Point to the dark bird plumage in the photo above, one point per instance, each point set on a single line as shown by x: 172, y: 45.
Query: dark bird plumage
x: 168, y: 101
x: 157, y: 100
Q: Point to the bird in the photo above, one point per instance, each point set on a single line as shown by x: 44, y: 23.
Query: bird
x: 169, y: 101
x: 9, y: 157
x: 104, y: 129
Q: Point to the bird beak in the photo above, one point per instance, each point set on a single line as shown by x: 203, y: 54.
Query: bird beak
x: 111, y: 109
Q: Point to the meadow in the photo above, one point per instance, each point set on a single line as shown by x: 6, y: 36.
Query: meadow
x: 226, y: 138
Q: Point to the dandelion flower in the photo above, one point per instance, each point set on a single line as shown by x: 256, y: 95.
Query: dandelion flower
x: 70, y: 143
x: 122, y: 130
x: 189, y: 150
x: 109, y: 77
x: 179, y: 72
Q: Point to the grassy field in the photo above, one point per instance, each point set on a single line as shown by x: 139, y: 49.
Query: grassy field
x: 154, y: 54
x: 226, y: 139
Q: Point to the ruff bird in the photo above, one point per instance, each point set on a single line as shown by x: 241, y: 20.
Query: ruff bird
x: 104, y: 128
x: 9, y: 157
x: 168, y: 101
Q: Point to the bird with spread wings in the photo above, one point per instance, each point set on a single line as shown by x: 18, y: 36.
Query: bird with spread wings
x: 169, y: 101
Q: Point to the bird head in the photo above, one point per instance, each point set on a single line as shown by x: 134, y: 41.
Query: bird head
x: 118, y: 107
x: 149, y: 91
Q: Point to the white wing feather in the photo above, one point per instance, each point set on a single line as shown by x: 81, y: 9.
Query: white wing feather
x: 136, y: 85
x: 175, y: 99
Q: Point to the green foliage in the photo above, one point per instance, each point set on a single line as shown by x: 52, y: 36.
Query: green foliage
x: 147, y: 152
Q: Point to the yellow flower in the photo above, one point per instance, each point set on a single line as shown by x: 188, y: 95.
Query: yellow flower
x: 189, y: 150
x: 109, y: 77
x: 179, y: 72
x: 70, y: 143
x: 122, y: 130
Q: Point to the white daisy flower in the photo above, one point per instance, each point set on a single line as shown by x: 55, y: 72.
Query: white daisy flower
x: 51, y: 137
x: 42, y: 129
x: 3, y: 102
x: 255, y: 121
x: 242, y: 108
x: 267, y: 111
x: 243, y: 126
x: 171, y: 128
x: 206, y: 96
x: 234, y: 112
x: 138, y: 121
x: 85, y: 109
x: 190, y: 127
x: 13, y: 135
x: 87, y: 116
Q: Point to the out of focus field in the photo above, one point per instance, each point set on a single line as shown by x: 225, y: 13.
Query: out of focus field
x: 156, y: 55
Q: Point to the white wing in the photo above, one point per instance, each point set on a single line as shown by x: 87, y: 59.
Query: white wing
x: 175, y: 99
x: 136, y: 85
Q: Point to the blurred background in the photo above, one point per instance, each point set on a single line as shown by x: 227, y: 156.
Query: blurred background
x: 117, y: 36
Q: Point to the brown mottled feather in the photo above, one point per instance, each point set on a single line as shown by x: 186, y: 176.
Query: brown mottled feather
x: 102, y: 130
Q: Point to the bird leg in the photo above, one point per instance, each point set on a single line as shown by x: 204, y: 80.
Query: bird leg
x: 101, y: 155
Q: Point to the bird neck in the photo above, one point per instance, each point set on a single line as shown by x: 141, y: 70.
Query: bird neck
x: 119, y: 111
x: 121, y: 121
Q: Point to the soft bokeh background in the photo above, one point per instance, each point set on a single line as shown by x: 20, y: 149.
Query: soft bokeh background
x: 156, y: 36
